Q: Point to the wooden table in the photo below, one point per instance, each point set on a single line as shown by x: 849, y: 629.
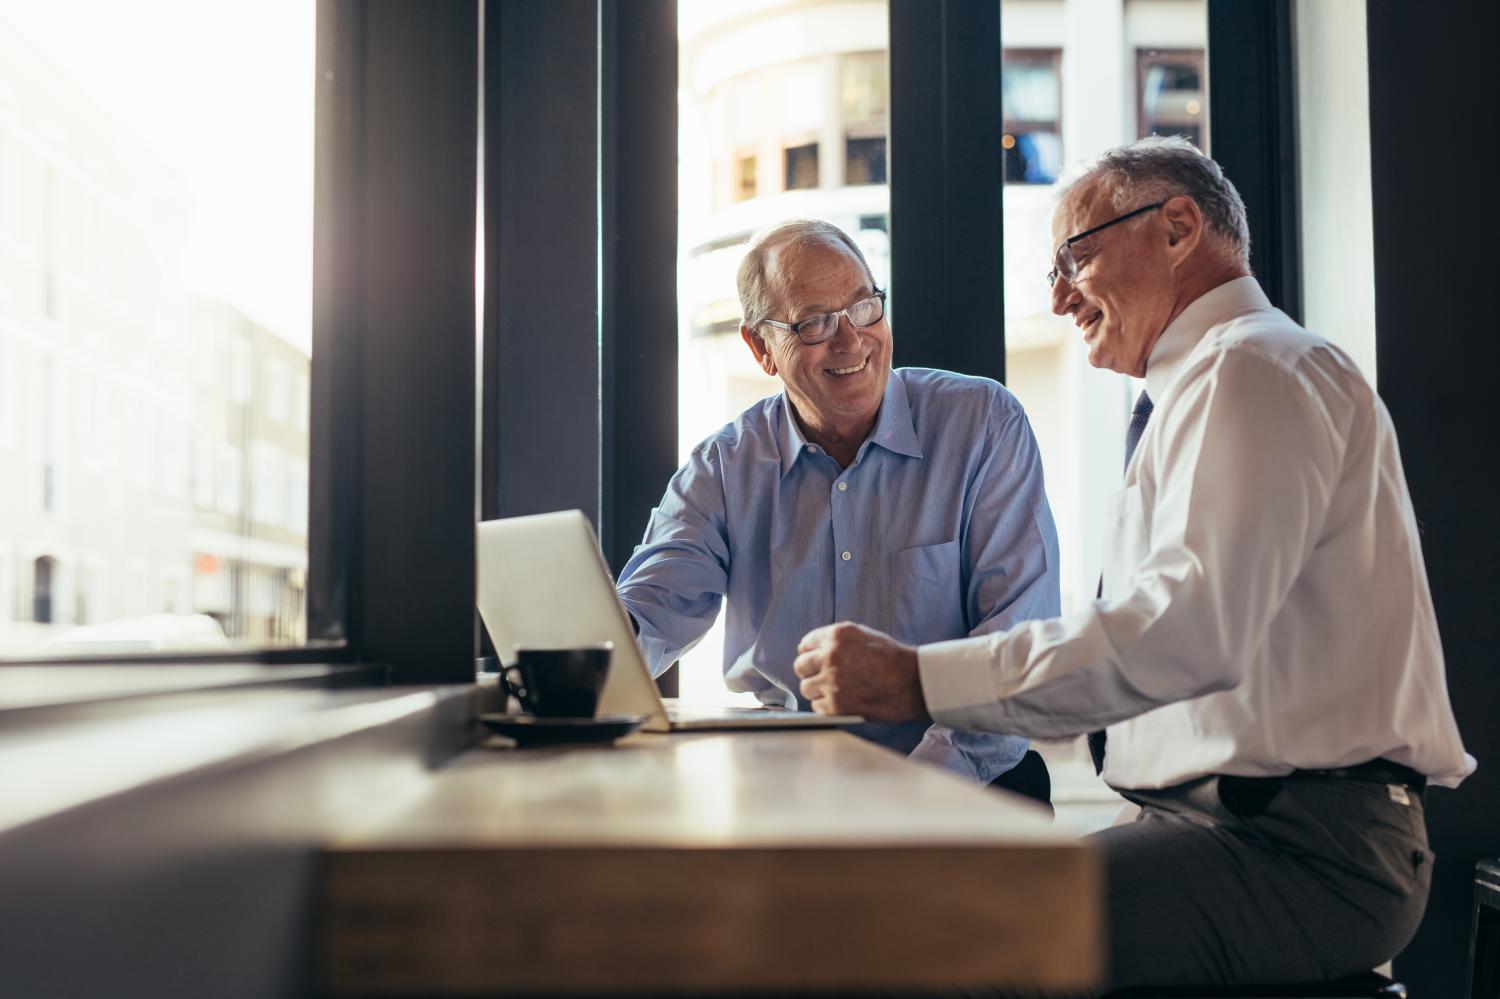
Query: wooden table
x: 746, y: 862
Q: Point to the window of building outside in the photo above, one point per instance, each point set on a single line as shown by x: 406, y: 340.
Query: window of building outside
x: 1170, y: 93
x: 863, y: 94
x: 817, y: 105
x: 1031, y: 101
x: 745, y: 180
x: 1063, y: 73
x: 155, y: 314
x: 801, y: 167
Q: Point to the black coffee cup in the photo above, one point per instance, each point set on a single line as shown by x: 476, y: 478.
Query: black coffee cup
x: 559, y: 683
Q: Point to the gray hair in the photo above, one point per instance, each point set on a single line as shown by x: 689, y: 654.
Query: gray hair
x: 756, y: 294
x: 1161, y: 167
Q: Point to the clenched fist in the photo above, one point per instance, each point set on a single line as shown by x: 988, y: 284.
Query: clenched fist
x: 848, y: 669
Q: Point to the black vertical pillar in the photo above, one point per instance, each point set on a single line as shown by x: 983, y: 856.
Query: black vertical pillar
x: 393, y: 353
x: 947, y: 186
x: 542, y: 443
x: 1252, y: 117
x: 580, y: 235
x: 638, y: 265
x: 1431, y: 78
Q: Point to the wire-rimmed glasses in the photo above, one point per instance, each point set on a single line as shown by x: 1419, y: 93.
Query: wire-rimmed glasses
x: 815, y: 329
x: 1065, y: 265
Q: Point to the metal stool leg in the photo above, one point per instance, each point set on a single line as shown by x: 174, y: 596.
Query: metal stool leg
x: 1484, y: 939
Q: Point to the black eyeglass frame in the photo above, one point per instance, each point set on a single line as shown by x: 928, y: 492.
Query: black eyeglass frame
x: 833, y: 326
x: 1064, y: 254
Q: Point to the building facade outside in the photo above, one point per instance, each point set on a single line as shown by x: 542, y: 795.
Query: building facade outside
x: 250, y: 450
x: 115, y: 421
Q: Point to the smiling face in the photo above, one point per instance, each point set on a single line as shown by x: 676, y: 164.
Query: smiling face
x: 836, y: 386
x: 1125, y: 292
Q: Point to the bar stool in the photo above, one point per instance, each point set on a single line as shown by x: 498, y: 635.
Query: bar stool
x: 1484, y: 940
x: 1368, y: 985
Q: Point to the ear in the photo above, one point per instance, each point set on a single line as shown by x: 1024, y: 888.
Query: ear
x: 1184, y: 225
x: 757, y: 345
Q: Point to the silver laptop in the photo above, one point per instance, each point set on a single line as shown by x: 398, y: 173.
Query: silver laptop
x: 544, y: 583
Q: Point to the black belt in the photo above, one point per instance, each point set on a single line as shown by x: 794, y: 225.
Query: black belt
x: 1378, y: 771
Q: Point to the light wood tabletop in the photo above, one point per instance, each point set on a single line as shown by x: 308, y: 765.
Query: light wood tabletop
x: 726, y: 862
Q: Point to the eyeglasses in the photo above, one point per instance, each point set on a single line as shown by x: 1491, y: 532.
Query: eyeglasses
x: 1066, y: 265
x: 815, y: 329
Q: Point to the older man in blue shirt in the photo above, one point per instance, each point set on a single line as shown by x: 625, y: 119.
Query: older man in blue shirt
x: 908, y: 500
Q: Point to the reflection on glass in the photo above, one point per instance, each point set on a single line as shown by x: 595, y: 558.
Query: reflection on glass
x: 155, y: 279
x: 797, y: 89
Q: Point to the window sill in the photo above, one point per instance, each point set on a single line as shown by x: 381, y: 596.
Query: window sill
x: 83, y: 734
x: 66, y: 688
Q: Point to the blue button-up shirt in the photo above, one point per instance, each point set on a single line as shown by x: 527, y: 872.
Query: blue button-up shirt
x: 938, y: 529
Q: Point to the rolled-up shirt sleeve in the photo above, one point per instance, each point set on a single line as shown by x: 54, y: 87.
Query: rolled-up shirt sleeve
x: 675, y: 581
x: 1245, y: 460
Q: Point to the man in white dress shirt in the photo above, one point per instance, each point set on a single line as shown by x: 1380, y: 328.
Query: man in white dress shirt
x: 1264, y: 653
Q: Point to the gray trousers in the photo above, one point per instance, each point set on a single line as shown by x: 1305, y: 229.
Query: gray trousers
x: 1243, y: 880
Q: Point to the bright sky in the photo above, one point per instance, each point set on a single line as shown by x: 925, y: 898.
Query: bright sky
x: 223, y: 91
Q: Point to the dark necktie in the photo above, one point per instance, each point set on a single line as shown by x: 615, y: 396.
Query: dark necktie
x: 1138, y: 420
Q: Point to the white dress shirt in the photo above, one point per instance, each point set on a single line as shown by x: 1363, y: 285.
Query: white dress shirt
x: 1265, y: 603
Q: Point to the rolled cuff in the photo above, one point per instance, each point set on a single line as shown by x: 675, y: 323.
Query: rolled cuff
x: 956, y: 678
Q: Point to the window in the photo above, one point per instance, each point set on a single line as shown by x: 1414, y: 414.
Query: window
x: 43, y: 576
x: 1056, y: 74
x: 300, y: 402
x: 241, y: 374
x: 864, y: 101
x: 205, y: 469
x: 801, y: 165
x: 7, y: 582
x: 230, y: 480
x: 174, y: 458
x: 1031, y: 100
x: 744, y: 178
x: 864, y: 93
x: 51, y: 226
x: 817, y: 99
x: 267, y: 491
x: 1170, y: 88
x: 85, y: 587
x: 155, y: 275
x: 278, y: 390
x: 864, y: 161
x: 7, y: 392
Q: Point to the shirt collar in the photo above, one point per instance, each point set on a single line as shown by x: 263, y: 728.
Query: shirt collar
x: 1176, y: 343
x: 893, y: 430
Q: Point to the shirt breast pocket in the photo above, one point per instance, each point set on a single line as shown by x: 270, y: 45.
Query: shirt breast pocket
x: 924, y: 586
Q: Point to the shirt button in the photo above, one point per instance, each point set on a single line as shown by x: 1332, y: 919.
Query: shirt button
x: 846, y: 556
x: 843, y: 486
x: 813, y: 448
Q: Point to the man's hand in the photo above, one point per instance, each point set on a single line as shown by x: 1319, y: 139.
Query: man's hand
x: 848, y: 669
